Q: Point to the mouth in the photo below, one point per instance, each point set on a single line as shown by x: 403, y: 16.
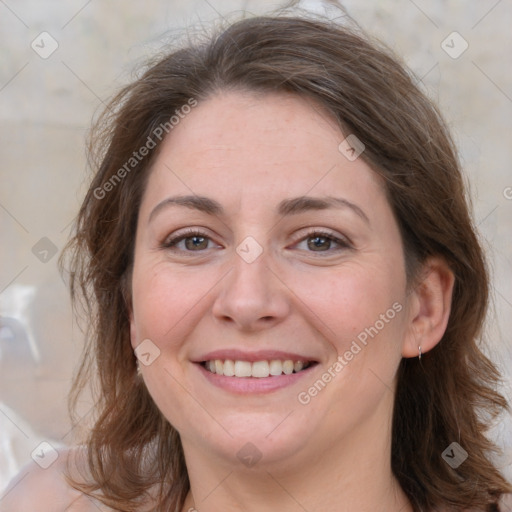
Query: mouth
x: 256, y: 369
x: 245, y: 372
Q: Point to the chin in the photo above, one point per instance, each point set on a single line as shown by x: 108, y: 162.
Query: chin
x: 257, y: 441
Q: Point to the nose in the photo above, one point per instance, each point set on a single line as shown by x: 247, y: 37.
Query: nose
x: 251, y: 296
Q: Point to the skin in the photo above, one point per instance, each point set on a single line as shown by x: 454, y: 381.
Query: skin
x: 249, y: 152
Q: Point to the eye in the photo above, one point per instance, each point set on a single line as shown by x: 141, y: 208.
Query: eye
x: 194, y: 240
x: 191, y: 240
x: 323, y: 241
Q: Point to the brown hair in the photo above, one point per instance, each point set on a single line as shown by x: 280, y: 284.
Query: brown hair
x: 449, y: 395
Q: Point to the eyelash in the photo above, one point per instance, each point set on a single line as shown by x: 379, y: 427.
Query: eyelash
x: 171, y: 242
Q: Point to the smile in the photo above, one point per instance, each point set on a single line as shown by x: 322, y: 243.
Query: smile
x: 248, y: 372
x: 257, y: 369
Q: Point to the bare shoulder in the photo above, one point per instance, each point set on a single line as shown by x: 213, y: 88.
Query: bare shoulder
x: 46, y: 490
x: 506, y: 503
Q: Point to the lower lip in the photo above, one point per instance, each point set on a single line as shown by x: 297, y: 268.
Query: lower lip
x: 245, y: 385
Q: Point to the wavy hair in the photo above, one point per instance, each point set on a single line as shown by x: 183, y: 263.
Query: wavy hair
x: 450, y: 395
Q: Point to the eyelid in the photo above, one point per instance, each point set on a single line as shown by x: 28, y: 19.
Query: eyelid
x: 321, y: 231
x: 342, y: 241
x: 170, y: 241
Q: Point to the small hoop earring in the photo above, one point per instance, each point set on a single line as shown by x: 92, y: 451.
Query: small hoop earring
x: 419, y: 353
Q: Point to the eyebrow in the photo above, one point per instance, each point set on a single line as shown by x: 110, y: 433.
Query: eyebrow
x: 286, y: 207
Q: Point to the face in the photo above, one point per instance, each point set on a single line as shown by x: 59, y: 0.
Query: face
x: 260, y: 249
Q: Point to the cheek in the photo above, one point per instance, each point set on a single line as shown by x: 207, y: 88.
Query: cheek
x: 351, y: 300
x: 166, y: 303
x: 360, y: 311
x: 166, y: 300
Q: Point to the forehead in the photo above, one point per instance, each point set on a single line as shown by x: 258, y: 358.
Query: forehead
x: 255, y: 148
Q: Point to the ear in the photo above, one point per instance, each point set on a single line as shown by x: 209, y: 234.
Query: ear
x: 128, y: 302
x: 429, y: 306
x: 133, y: 330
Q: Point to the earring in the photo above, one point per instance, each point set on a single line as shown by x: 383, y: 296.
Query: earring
x: 139, y: 371
x: 419, y: 353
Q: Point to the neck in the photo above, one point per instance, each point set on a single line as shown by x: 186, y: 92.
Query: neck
x: 353, y: 473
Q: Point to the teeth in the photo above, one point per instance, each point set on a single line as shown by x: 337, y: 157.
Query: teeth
x: 243, y: 369
x: 229, y: 368
x: 288, y: 367
x: 258, y: 369
x: 297, y: 366
x: 276, y: 367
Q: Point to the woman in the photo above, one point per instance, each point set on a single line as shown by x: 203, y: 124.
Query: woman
x: 285, y: 288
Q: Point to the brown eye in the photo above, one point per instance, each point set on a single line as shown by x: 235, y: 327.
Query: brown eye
x: 319, y: 243
x: 190, y: 241
x: 323, y: 242
x: 196, y: 242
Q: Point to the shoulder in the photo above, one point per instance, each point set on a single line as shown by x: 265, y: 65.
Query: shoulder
x: 506, y: 503
x: 46, y: 490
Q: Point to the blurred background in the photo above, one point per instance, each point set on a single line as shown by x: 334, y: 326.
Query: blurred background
x: 60, y: 61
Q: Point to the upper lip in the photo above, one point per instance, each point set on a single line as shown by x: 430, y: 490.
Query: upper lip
x: 260, y: 355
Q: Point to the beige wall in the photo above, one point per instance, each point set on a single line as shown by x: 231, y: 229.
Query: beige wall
x: 46, y: 105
